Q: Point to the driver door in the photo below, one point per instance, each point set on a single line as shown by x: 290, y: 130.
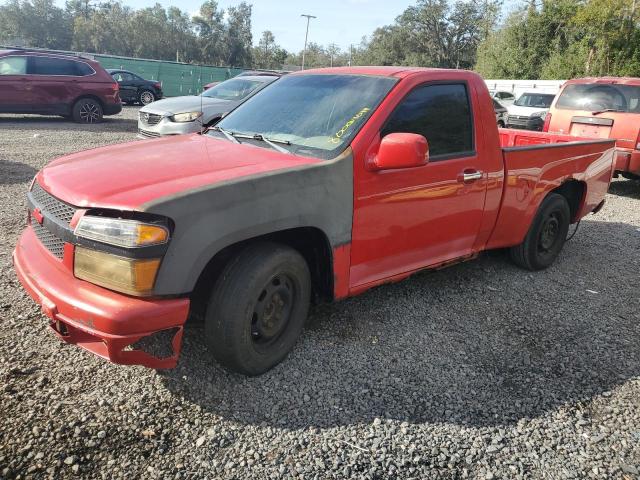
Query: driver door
x: 410, y: 218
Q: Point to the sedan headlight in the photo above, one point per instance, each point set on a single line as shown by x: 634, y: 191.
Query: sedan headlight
x: 186, y: 117
x: 539, y: 114
x: 121, y: 232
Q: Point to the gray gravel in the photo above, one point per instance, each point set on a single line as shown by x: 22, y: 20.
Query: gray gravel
x: 481, y: 370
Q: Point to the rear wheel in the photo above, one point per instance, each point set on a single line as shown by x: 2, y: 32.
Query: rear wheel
x: 546, y: 236
x: 146, y: 97
x: 87, y: 110
x: 258, y: 307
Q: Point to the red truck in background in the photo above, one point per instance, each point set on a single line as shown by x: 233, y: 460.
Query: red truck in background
x: 607, y: 107
x: 324, y: 185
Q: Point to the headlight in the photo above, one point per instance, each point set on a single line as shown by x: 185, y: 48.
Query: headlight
x: 539, y: 114
x: 127, y: 275
x: 120, y: 232
x: 186, y: 117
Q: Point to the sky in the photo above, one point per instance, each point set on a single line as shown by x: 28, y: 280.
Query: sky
x: 342, y: 22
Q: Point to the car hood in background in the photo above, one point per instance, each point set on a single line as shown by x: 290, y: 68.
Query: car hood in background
x: 191, y: 103
x: 129, y: 175
x: 524, y: 111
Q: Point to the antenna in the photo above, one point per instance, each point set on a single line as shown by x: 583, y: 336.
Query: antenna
x: 201, y: 109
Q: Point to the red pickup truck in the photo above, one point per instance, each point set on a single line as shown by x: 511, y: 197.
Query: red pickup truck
x: 323, y: 185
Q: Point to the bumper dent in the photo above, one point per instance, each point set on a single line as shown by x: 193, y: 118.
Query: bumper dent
x: 96, y: 319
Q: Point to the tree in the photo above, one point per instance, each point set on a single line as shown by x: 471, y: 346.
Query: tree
x: 268, y: 54
x: 35, y: 23
x: 433, y: 33
x: 238, y: 38
x: 564, y: 39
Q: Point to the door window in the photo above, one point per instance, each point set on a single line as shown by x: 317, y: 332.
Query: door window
x: 13, y: 66
x: 84, y: 69
x: 442, y: 114
x: 123, y: 77
x: 54, y: 66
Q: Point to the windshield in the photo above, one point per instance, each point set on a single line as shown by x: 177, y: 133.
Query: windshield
x: 598, y: 97
x: 234, y: 89
x: 537, y: 100
x: 317, y: 114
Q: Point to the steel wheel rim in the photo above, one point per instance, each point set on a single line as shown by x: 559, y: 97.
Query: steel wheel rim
x: 549, y: 233
x: 89, y: 112
x: 272, y: 311
x: 146, y: 98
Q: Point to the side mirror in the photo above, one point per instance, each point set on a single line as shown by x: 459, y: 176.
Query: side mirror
x: 402, y: 150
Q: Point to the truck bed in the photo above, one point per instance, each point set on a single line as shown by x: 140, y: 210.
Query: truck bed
x: 510, y: 137
x: 536, y: 163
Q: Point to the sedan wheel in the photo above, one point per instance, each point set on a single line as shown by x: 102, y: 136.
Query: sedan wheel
x: 147, y: 97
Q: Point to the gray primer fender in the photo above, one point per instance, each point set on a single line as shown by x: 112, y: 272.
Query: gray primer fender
x: 211, y: 218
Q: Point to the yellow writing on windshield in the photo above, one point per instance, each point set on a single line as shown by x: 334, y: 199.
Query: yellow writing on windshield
x: 337, y: 138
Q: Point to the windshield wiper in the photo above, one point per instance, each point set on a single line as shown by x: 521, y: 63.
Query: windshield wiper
x: 272, y: 142
x: 230, y: 135
x: 598, y: 112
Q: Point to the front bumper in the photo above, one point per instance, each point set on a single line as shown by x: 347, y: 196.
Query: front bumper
x: 103, y: 322
x: 525, y: 123
x: 628, y: 161
x: 113, y: 108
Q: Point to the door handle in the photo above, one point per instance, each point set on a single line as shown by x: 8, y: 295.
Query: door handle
x: 469, y: 176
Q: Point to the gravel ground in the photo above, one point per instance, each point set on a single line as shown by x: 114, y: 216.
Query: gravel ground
x: 481, y: 370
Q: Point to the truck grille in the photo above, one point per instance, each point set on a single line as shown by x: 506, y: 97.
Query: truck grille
x: 51, y: 207
x: 49, y: 203
x: 149, y: 119
x: 49, y: 240
x: 517, y: 120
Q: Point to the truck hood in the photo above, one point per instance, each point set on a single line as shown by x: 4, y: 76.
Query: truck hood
x: 524, y: 111
x: 129, y: 175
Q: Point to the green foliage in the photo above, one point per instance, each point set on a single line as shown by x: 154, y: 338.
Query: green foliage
x: 38, y: 23
x: 434, y: 33
x: 564, y: 39
x: 215, y: 36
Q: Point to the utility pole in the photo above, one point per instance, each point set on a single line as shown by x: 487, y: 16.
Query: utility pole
x: 350, y: 53
x: 308, y: 17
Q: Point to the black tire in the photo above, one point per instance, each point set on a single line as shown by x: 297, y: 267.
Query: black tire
x: 500, y: 124
x: 258, y: 307
x: 87, y: 110
x: 145, y: 97
x: 546, y: 236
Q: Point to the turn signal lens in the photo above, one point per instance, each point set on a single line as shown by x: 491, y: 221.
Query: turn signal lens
x: 123, y: 233
x: 127, y: 275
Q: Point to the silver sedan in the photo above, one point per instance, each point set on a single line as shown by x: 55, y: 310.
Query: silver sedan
x: 188, y: 114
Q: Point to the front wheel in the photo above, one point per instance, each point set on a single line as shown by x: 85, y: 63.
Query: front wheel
x: 258, y: 307
x: 546, y: 236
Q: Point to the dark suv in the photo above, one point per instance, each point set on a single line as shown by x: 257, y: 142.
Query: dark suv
x: 134, y: 88
x: 56, y: 84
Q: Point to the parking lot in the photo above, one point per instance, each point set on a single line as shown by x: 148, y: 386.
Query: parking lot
x: 481, y: 370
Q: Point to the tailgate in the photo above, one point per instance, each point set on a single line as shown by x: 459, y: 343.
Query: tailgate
x: 593, y: 127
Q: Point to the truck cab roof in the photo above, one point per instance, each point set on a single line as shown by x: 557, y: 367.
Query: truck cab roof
x: 384, y: 71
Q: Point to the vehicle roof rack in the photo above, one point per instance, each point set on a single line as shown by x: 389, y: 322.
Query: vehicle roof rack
x: 46, y: 50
